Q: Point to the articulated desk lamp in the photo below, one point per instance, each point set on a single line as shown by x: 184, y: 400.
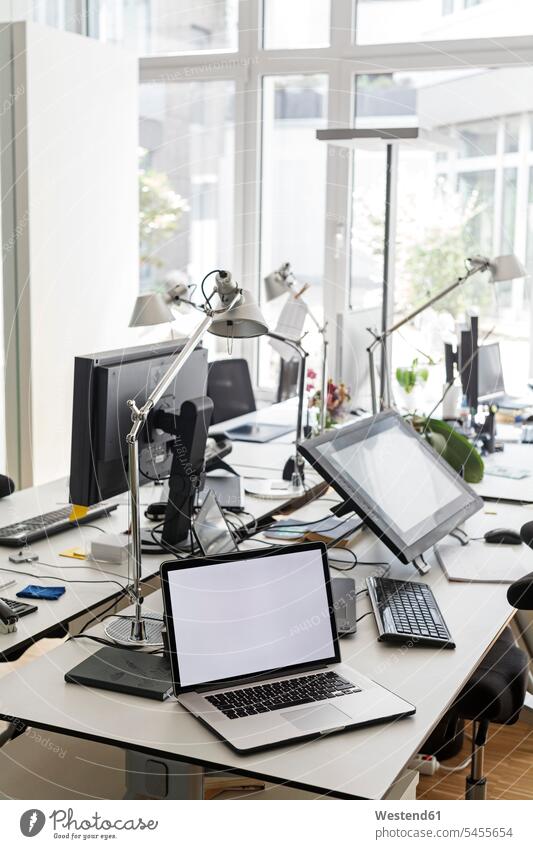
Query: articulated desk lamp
x: 280, y: 282
x: 501, y: 268
x: 237, y: 317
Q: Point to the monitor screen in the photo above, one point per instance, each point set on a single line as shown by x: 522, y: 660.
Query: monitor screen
x: 211, y: 529
x: 490, y: 372
x: 249, y: 614
x: 395, y: 481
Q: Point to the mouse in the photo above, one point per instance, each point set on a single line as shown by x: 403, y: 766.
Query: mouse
x: 503, y: 536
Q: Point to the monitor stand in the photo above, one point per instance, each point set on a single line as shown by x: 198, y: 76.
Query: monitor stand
x: 150, y: 546
x: 421, y: 565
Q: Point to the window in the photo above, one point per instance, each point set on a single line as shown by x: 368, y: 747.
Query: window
x: 477, y: 139
x: 458, y: 194
x: 160, y: 27
x: 63, y: 14
x: 296, y: 23
x: 293, y: 184
x: 383, y: 21
x: 187, y: 138
x: 230, y: 141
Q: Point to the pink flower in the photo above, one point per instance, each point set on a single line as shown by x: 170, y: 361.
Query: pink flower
x: 309, y: 387
x: 311, y: 374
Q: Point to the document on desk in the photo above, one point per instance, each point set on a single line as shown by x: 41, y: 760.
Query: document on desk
x: 481, y: 563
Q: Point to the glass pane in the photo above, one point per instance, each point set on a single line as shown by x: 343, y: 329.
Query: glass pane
x: 449, y: 206
x: 293, y: 184
x: 389, y: 21
x: 529, y: 251
x: 186, y: 180
x: 368, y: 217
x: 476, y: 189
x: 512, y: 134
x: 62, y: 14
x: 296, y: 23
x: 478, y: 139
x: 152, y: 27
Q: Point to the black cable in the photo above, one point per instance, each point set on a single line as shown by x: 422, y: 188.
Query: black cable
x: 209, y: 273
x: 369, y: 613
x: 65, y: 580
x: 111, y: 644
x: 180, y: 555
x: 99, y: 616
x: 86, y: 525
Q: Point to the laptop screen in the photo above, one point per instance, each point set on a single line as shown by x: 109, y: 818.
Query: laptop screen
x: 247, y: 615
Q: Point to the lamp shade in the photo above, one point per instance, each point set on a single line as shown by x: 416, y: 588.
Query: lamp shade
x: 150, y: 309
x: 243, y: 321
x: 507, y: 267
x: 276, y: 283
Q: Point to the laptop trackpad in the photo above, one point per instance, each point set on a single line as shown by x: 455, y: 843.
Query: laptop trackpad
x: 320, y: 717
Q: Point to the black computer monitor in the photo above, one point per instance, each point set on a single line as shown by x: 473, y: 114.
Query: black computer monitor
x: 490, y: 373
x: 103, y: 383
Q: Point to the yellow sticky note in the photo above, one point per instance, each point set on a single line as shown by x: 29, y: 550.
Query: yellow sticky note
x: 76, y: 553
x: 78, y: 512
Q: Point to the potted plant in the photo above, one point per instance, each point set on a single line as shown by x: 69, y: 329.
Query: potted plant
x: 337, y: 399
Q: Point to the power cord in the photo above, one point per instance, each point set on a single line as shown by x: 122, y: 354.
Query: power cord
x: 65, y: 580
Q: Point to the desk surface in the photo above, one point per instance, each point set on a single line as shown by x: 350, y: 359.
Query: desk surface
x: 81, y: 597
x: 363, y: 763
x: 517, y: 456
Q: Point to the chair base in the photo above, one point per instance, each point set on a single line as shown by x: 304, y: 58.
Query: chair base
x: 476, y: 790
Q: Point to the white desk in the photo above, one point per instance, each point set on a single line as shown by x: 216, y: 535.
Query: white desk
x: 83, y: 597
x: 514, y: 455
x: 363, y: 763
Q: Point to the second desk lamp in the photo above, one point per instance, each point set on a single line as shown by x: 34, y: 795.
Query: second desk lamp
x: 280, y: 282
x: 500, y: 268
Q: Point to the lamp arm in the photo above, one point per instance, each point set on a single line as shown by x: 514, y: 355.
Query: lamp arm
x: 442, y: 294
x: 139, y: 417
x: 380, y: 339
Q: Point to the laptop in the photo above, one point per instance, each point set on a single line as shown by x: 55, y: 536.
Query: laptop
x: 255, y: 652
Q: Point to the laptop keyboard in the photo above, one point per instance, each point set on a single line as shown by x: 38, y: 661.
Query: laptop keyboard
x: 289, y: 692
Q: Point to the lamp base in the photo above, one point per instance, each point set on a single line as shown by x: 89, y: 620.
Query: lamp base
x: 275, y: 489
x: 294, y: 467
x: 125, y: 631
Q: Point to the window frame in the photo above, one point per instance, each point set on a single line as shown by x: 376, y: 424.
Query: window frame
x: 343, y: 60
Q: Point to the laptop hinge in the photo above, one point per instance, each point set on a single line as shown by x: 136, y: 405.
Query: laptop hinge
x: 264, y: 676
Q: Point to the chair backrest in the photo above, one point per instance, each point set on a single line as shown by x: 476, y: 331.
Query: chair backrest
x: 289, y: 371
x: 230, y: 388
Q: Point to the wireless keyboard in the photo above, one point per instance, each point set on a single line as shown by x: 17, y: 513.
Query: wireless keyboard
x: 39, y: 527
x: 406, y: 612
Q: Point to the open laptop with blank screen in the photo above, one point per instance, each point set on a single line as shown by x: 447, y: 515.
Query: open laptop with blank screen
x: 255, y: 651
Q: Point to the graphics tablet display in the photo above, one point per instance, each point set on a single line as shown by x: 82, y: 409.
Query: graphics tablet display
x: 394, y: 480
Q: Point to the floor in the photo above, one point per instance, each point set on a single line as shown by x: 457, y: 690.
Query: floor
x: 43, y: 765
x: 508, y: 767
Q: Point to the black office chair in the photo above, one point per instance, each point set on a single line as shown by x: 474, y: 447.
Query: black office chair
x: 230, y: 388
x: 289, y: 372
x: 495, y: 693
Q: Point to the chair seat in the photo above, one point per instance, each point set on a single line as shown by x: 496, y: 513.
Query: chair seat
x: 497, y: 689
